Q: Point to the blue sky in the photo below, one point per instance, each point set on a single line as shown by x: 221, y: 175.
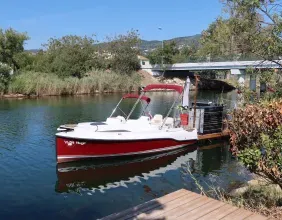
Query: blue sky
x: 43, y: 19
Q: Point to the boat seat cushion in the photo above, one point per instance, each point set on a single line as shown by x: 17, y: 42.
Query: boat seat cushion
x: 169, y: 121
x: 157, y: 119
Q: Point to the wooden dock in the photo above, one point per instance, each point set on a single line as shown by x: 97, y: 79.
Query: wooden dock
x: 184, y: 204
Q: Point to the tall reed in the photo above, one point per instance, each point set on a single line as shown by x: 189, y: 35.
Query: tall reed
x: 42, y: 84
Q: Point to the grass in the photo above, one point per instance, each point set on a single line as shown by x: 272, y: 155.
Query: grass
x: 263, y: 199
x: 44, y: 84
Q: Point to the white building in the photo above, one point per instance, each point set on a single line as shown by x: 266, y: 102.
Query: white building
x: 145, y: 64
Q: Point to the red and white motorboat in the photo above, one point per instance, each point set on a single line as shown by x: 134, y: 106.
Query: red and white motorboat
x: 122, y: 136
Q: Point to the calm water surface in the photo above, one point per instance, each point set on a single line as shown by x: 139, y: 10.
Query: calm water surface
x: 32, y: 186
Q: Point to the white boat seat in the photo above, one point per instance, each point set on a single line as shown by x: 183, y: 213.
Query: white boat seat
x: 169, y: 121
x: 157, y: 120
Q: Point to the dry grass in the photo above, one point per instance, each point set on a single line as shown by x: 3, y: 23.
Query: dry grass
x: 262, y: 199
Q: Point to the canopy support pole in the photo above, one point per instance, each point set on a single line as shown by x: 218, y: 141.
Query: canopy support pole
x: 195, y: 100
x: 175, y: 100
x: 116, y: 108
x: 134, y: 106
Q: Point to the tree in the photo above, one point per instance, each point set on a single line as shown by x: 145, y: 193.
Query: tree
x: 165, y: 54
x: 25, y: 60
x: 267, y: 43
x: 252, y: 27
x: 123, y: 51
x: 11, y: 44
x: 68, y: 56
x: 5, y: 71
x: 187, y: 53
x: 230, y: 38
x: 216, y: 39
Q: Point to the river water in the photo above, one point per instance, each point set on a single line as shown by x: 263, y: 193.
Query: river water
x: 32, y: 186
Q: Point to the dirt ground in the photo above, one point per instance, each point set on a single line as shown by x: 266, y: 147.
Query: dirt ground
x: 147, y: 78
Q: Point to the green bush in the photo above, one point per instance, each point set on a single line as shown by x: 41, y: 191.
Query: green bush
x: 266, y: 159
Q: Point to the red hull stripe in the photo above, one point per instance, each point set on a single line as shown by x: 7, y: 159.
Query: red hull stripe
x: 78, y: 149
x: 125, y: 154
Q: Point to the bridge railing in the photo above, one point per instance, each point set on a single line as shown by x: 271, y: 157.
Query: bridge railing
x: 227, y: 58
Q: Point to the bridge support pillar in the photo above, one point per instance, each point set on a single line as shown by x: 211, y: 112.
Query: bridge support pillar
x: 240, y: 76
x: 253, y: 82
x: 228, y: 74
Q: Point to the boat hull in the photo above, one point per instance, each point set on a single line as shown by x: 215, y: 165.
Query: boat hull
x: 71, y: 149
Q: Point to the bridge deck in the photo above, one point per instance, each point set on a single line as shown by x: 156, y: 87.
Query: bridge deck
x: 184, y: 204
x: 261, y: 64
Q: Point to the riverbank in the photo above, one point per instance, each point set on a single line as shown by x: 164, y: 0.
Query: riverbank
x: 33, y: 84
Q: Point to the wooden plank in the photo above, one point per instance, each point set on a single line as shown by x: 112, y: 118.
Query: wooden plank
x: 151, y: 204
x: 200, y: 211
x: 159, y: 206
x: 213, y: 135
x: 219, y: 213
x: 256, y: 217
x: 180, y: 210
x: 238, y: 215
x: 170, y: 205
x: 184, y: 204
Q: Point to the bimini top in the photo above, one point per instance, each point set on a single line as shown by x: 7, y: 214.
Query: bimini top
x: 136, y: 96
x: 176, y: 88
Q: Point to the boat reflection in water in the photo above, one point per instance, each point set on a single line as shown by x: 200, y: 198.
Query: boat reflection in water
x: 103, y: 175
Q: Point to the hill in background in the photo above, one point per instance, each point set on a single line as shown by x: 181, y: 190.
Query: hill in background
x: 147, y: 46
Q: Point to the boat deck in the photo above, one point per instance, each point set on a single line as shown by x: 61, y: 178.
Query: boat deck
x: 184, y: 204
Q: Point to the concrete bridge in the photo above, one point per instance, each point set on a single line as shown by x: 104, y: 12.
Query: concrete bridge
x: 236, y: 69
x: 229, y: 65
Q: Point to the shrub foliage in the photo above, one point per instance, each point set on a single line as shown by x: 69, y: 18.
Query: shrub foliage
x: 256, y: 138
